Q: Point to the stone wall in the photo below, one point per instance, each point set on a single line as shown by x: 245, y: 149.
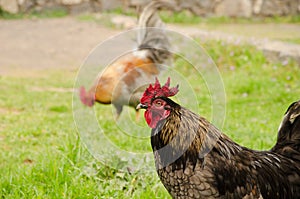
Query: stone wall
x: 72, y: 6
x: 231, y: 8
x: 241, y: 8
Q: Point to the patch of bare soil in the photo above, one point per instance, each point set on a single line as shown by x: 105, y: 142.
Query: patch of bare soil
x: 64, y: 43
x: 47, y: 43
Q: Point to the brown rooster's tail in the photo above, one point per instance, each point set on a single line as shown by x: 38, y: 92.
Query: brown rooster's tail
x: 151, y: 35
x: 288, y: 141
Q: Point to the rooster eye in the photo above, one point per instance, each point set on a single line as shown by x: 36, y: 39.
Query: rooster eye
x: 158, y: 103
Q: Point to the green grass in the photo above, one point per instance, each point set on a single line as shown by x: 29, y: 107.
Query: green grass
x: 275, y: 28
x: 48, y: 13
x: 122, y: 11
x: 52, y: 13
x: 6, y: 15
x: 293, y: 40
x: 41, y: 155
x: 258, y: 93
x: 99, y: 19
x: 183, y: 17
x: 186, y: 17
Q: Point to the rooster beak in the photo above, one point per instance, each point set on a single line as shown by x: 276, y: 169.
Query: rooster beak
x: 141, y: 106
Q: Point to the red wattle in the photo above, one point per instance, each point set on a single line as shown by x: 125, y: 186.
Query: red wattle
x: 151, y: 118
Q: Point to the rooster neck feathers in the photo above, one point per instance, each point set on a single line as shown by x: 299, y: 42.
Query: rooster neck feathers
x: 182, y: 140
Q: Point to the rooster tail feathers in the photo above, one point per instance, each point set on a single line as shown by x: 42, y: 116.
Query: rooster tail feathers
x: 151, y: 34
x: 288, y: 141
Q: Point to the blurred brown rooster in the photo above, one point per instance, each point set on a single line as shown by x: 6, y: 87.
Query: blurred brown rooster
x: 196, y: 160
x: 120, y: 82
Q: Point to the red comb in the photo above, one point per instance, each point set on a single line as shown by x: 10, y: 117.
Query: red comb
x: 85, y: 97
x: 156, y: 90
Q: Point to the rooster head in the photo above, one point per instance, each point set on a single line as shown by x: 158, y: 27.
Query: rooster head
x: 86, y: 98
x: 154, y: 101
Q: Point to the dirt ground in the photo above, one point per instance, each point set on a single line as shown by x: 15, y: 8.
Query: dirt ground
x: 66, y: 42
x: 48, y: 43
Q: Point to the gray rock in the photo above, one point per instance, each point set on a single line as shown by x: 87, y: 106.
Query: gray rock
x: 83, y: 7
x: 111, y: 4
x: 233, y: 8
x: 25, y: 5
x: 271, y: 8
x: 10, y: 6
x: 41, y: 2
x: 70, y: 2
x: 198, y: 7
x: 257, y: 4
x: 294, y: 7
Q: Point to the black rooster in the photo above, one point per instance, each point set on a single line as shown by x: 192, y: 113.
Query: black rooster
x: 196, y: 160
